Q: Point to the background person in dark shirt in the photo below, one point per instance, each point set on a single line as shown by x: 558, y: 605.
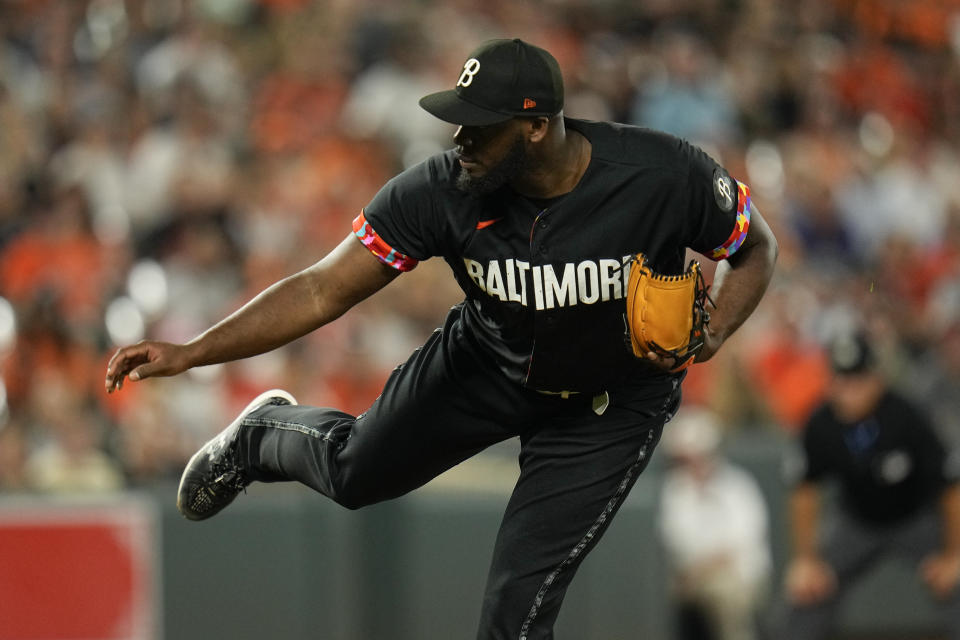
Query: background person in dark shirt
x: 897, y: 496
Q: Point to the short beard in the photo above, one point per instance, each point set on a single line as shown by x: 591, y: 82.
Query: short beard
x: 513, y: 164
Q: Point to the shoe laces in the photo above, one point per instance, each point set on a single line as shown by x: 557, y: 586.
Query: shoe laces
x: 226, y: 473
x: 224, y: 479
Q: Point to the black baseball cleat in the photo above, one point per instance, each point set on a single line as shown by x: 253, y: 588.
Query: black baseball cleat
x: 213, y: 477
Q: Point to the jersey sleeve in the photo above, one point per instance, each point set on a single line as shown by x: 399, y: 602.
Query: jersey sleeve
x: 400, y: 226
x: 720, y: 207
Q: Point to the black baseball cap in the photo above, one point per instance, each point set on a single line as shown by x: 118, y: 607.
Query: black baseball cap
x: 501, y: 79
x: 851, y: 354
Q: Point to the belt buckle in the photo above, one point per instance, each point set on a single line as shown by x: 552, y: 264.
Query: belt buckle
x: 599, y: 402
x: 563, y: 394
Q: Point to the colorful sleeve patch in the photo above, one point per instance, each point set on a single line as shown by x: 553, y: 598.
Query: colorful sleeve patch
x: 741, y: 227
x: 379, y: 247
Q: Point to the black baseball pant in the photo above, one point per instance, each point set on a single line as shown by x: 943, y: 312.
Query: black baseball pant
x: 448, y: 402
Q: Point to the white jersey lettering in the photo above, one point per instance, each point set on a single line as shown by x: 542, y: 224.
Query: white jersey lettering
x: 610, y: 288
x: 564, y: 290
x: 588, y: 282
x: 522, y: 268
x: 513, y: 295
x: 475, y: 271
x: 585, y: 282
x: 495, y: 281
x: 537, y: 288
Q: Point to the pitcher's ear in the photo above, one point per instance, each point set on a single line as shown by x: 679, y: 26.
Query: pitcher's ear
x: 537, y: 127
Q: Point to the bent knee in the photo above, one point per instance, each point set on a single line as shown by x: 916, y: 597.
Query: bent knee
x: 354, y: 495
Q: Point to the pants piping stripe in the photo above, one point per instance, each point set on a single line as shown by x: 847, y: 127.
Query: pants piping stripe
x: 287, y: 426
x: 587, y: 538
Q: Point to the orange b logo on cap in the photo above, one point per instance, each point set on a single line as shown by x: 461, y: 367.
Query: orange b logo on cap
x: 528, y: 103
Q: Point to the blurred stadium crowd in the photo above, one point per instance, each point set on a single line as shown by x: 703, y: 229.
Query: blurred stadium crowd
x: 161, y: 161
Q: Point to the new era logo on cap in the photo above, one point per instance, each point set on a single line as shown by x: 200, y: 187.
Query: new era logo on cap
x: 501, y: 79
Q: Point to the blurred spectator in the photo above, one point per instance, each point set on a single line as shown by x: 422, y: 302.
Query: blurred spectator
x: 714, y: 525
x: 935, y: 379
x: 194, y: 54
x: 383, y: 98
x: 821, y: 230
x: 91, y: 161
x: 72, y: 463
x: 152, y: 441
x: 177, y: 167
x: 688, y: 96
x: 13, y: 458
x: 68, y: 456
x: 783, y: 364
x: 897, y: 198
x: 201, y: 272
x: 898, y: 496
x: 58, y: 256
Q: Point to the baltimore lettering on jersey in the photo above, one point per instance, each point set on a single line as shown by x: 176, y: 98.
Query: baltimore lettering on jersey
x: 548, y: 286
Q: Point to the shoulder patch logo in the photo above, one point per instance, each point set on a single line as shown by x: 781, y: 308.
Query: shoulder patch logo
x: 724, y: 190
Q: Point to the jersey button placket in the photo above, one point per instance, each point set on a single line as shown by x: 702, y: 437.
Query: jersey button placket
x: 544, y: 323
x: 537, y: 246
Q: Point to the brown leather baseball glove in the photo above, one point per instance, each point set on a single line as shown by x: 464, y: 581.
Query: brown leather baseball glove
x: 666, y: 315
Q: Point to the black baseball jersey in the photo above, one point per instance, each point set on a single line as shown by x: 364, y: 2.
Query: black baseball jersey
x: 545, y: 282
x: 889, y: 465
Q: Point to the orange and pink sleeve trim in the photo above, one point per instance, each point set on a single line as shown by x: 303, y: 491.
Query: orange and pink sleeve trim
x: 379, y: 247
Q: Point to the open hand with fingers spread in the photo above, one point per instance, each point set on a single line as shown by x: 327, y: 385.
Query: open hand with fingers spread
x: 146, y: 359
